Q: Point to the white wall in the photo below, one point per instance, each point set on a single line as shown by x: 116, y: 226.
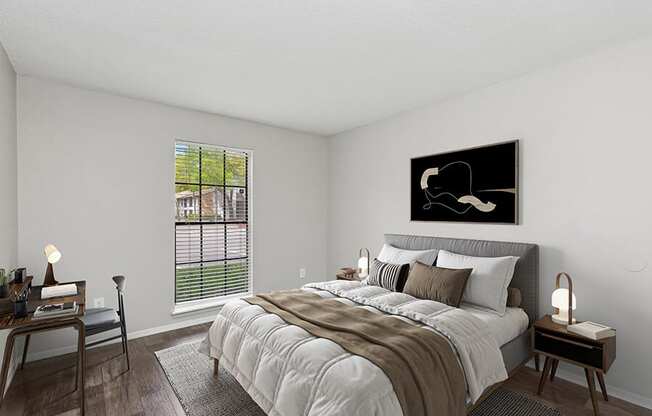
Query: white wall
x: 7, y: 162
x: 8, y: 203
x: 586, y: 145
x: 96, y: 175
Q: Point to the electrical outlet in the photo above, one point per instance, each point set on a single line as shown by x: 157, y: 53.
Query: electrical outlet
x: 98, y: 302
x: 302, y: 273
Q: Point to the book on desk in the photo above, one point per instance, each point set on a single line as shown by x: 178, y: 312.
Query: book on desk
x: 56, y: 310
x: 58, y: 291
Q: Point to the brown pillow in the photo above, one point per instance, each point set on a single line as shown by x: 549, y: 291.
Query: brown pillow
x: 437, y: 283
x: 514, y: 297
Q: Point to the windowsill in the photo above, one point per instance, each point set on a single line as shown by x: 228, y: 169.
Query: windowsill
x: 199, y: 305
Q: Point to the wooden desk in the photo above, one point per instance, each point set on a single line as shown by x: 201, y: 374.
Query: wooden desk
x: 28, y: 326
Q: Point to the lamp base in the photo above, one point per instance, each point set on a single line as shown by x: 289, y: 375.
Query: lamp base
x: 49, y: 277
x: 561, y: 319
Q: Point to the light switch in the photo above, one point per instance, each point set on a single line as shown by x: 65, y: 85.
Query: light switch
x: 98, y: 302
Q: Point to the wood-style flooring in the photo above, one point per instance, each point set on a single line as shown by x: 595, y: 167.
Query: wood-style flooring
x: 44, y: 387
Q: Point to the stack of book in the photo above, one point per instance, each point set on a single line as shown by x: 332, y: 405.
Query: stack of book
x: 56, y: 310
x: 592, y: 330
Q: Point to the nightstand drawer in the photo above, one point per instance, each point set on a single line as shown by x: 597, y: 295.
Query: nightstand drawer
x: 578, y: 352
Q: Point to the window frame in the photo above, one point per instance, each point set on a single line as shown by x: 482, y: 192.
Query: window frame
x: 216, y: 301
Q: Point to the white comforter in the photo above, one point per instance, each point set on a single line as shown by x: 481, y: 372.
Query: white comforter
x: 289, y: 372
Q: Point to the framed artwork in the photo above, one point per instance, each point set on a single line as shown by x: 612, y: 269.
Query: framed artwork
x: 479, y: 184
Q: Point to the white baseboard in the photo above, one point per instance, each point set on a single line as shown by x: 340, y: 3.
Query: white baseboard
x: 619, y: 393
x: 40, y: 355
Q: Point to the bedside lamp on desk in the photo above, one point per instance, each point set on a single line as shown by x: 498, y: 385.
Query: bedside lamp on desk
x: 53, y: 255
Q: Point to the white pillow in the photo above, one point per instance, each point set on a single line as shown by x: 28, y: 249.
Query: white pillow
x: 391, y: 254
x: 489, y: 280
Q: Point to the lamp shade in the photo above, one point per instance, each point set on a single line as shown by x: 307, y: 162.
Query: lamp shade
x: 52, y: 253
x: 363, y: 266
x: 560, y: 299
x: 363, y: 263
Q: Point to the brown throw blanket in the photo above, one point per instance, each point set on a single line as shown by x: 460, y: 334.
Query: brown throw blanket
x: 420, y: 363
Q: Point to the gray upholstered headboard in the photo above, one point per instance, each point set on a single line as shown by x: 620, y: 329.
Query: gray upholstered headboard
x: 526, y: 275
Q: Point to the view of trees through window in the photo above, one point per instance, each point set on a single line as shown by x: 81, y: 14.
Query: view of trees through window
x: 211, y: 226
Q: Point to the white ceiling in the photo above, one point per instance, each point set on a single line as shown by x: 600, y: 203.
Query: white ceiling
x: 322, y: 66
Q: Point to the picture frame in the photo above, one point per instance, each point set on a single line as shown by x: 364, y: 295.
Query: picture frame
x: 477, y: 184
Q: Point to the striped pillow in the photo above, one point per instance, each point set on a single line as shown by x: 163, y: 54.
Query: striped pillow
x: 387, y: 275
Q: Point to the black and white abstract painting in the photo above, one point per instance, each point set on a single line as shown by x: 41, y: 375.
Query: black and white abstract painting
x: 472, y: 185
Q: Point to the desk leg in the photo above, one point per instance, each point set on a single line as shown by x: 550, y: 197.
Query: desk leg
x: 81, y: 365
x: 591, y: 382
x: 6, y: 362
x: 77, y: 366
x: 22, y: 362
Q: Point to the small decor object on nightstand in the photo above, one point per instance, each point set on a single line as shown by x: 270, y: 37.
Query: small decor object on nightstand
x: 363, y: 263
x: 53, y: 255
x: 564, y: 301
x: 557, y: 342
x: 347, y: 273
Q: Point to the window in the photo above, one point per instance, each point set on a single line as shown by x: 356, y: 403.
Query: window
x: 212, y: 223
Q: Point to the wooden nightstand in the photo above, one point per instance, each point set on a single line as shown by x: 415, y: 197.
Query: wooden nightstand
x: 556, y: 343
x: 353, y: 277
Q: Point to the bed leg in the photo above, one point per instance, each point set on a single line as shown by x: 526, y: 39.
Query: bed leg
x: 216, y: 367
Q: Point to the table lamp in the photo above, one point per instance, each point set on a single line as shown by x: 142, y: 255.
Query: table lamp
x: 363, y: 263
x: 564, y: 301
x: 53, y: 255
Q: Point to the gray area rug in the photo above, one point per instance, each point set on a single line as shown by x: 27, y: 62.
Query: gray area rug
x: 191, y: 376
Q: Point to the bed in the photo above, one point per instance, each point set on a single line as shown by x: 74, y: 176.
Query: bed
x: 288, y: 371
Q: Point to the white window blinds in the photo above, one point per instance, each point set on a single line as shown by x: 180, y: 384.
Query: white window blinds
x: 212, y: 222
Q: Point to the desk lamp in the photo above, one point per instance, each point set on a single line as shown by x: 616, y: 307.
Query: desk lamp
x: 53, y: 255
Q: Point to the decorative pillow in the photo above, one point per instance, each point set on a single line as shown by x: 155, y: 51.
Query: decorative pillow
x: 514, y: 297
x: 387, y: 275
x: 489, y: 280
x: 391, y: 254
x: 437, y: 283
